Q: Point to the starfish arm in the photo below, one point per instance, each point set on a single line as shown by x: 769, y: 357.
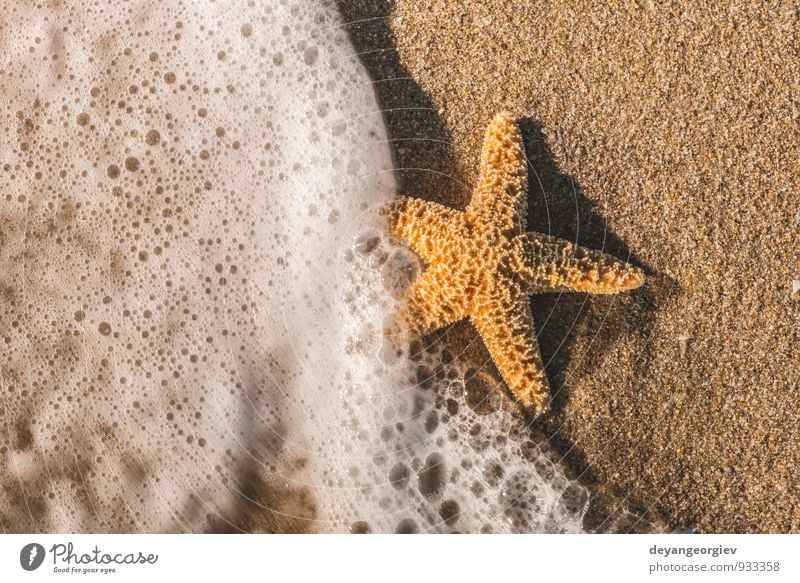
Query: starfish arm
x: 421, y: 223
x: 548, y: 264
x: 501, y: 196
x: 508, y: 333
x: 431, y: 303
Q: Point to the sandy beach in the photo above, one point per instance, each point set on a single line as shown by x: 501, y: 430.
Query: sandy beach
x: 666, y: 135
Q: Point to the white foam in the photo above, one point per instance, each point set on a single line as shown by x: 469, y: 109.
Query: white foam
x: 175, y: 331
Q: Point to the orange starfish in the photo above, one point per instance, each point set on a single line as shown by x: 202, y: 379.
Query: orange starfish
x: 482, y: 265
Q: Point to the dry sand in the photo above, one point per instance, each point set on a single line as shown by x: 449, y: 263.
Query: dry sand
x: 662, y: 133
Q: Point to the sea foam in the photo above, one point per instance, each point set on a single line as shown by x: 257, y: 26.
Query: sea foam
x: 197, y: 285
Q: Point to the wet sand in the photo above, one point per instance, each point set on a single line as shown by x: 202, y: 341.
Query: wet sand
x: 669, y: 136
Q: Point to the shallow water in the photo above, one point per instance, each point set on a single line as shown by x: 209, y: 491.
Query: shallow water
x: 197, y: 286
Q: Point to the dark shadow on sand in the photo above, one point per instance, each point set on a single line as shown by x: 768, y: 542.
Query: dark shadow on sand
x: 557, y: 206
x: 419, y: 142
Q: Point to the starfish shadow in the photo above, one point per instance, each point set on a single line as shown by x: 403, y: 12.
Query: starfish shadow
x: 419, y: 143
x: 557, y: 206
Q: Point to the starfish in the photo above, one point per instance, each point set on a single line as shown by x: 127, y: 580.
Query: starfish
x: 482, y: 265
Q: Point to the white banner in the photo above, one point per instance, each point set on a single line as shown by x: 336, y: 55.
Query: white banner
x: 121, y: 558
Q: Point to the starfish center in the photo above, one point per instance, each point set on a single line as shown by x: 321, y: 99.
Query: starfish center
x: 482, y: 265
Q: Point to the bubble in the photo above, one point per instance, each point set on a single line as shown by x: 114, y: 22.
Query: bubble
x: 112, y: 171
x: 152, y: 138
x: 424, y: 377
x: 407, y: 526
x: 322, y: 109
x: 449, y: 511
x: 366, y: 244
x: 399, y: 475
x: 432, y: 476
x: 310, y: 55
x: 104, y: 328
x: 132, y: 164
x: 480, y: 396
x: 431, y: 421
x: 360, y: 527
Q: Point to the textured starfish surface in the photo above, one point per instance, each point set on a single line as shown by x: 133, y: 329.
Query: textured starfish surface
x: 482, y: 265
